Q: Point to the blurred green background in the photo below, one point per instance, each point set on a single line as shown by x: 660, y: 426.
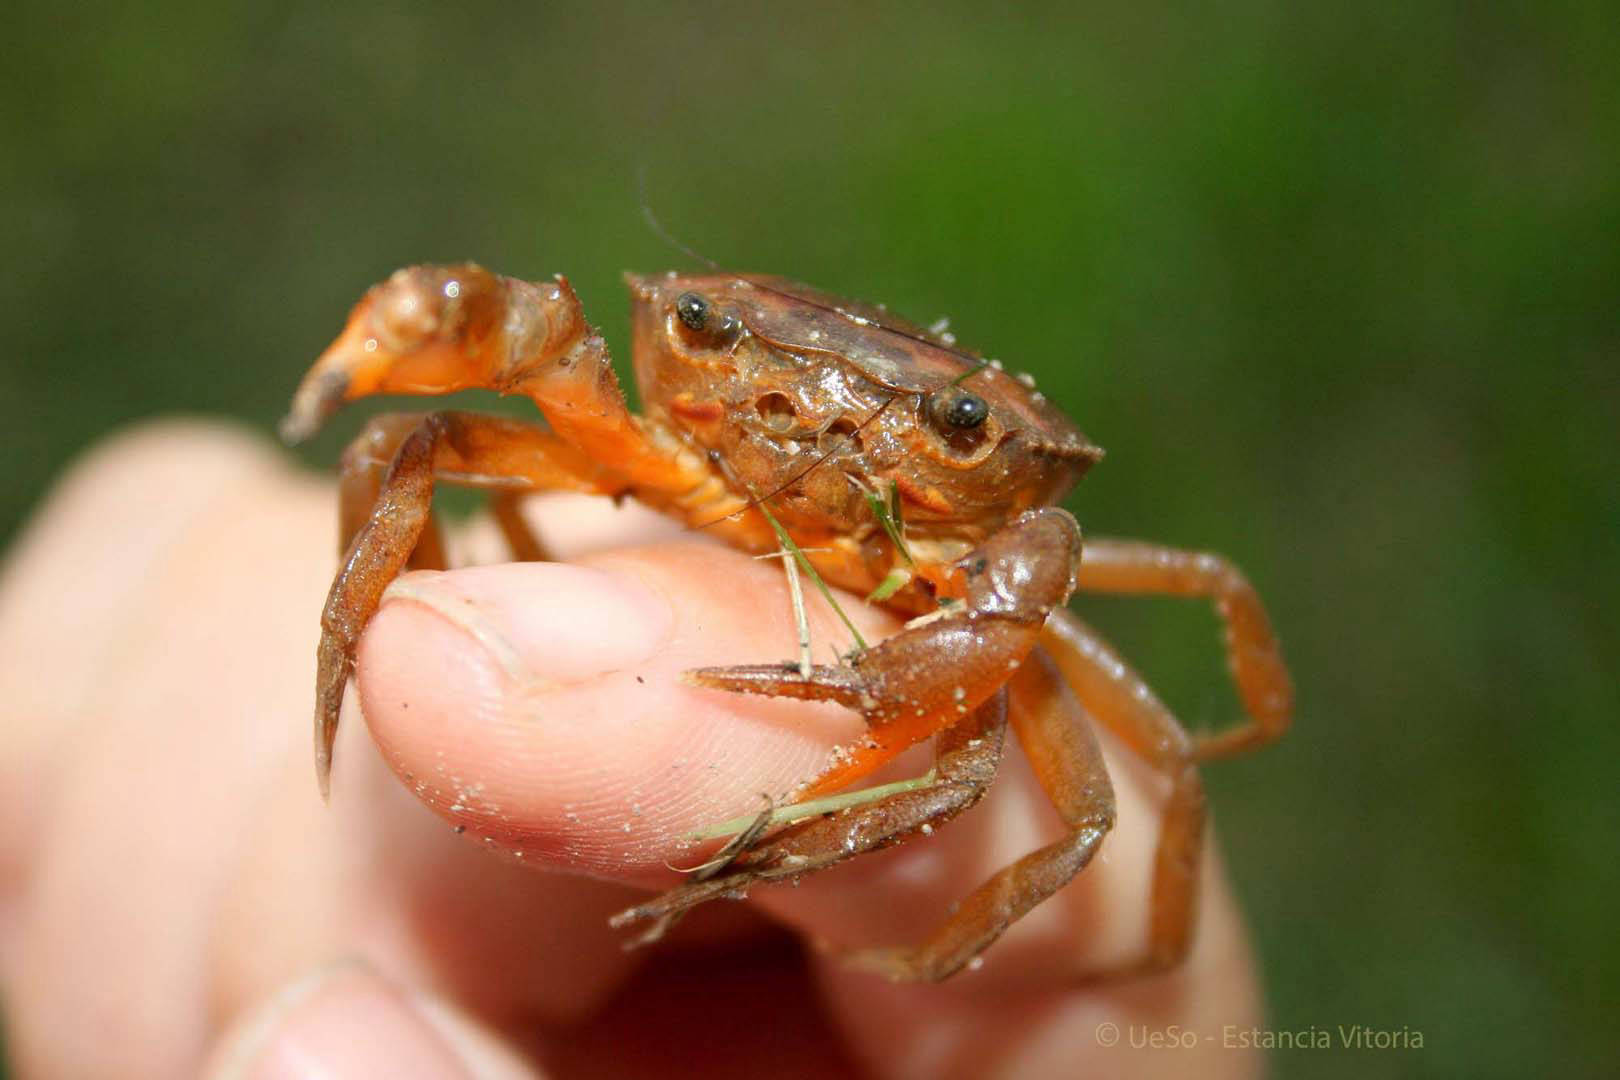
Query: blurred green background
x: 1337, y: 291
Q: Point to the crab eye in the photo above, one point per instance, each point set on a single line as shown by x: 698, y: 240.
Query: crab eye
x: 963, y: 411
x: 705, y: 324
x: 692, y: 310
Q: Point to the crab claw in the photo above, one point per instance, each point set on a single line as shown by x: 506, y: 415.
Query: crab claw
x: 940, y: 668
x: 426, y: 330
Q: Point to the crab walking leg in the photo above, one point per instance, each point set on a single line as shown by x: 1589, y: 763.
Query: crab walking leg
x: 966, y: 758
x: 1252, y: 653
x: 532, y: 465
x: 463, y: 448
x: 506, y: 508
x: 1057, y: 738
x: 360, y: 475
x: 928, y: 676
x: 1116, y: 695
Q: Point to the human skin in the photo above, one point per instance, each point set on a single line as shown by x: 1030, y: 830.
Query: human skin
x: 174, y: 897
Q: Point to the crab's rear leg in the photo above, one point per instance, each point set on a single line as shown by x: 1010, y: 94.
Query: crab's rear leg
x: 1123, y: 702
x: 1252, y: 652
x: 463, y: 448
x: 1118, y: 697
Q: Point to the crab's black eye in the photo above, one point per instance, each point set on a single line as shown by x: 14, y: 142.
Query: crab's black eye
x: 965, y: 411
x: 692, y: 310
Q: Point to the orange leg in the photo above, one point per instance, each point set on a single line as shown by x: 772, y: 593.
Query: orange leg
x: 463, y: 448
x: 1256, y: 663
x: 1119, y: 699
x: 506, y: 508
x: 366, y: 459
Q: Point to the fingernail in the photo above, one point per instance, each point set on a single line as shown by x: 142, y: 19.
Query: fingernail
x: 343, y: 1020
x: 546, y: 622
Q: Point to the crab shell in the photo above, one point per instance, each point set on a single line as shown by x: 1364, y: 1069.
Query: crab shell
x: 819, y: 404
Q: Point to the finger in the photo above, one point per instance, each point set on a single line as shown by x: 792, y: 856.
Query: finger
x: 181, y: 678
x: 76, y: 584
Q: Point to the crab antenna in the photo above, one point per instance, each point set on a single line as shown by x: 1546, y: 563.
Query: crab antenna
x: 657, y: 227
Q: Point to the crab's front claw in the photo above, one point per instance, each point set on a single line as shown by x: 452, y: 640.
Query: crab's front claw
x: 421, y: 331
x: 435, y: 330
x: 938, y: 670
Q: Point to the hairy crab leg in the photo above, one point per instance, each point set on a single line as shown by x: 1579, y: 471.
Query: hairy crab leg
x: 1118, y: 697
x: 464, y: 448
x: 966, y: 757
x: 1252, y: 653
x: 928, y: 676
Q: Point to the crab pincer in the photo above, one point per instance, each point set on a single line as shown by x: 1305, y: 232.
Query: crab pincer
x: 932, y: 674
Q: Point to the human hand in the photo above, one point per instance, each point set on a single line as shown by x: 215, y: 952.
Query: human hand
x: 173, y: 895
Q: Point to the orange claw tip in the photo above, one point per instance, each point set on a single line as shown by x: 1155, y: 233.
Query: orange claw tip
x: 742, y: 678
x: 318, y: 397
x: 324, y: 737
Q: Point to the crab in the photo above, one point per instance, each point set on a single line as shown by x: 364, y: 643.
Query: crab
x: 897, y: 464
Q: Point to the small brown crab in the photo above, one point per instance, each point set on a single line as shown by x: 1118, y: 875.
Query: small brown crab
x: 897, y: 463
